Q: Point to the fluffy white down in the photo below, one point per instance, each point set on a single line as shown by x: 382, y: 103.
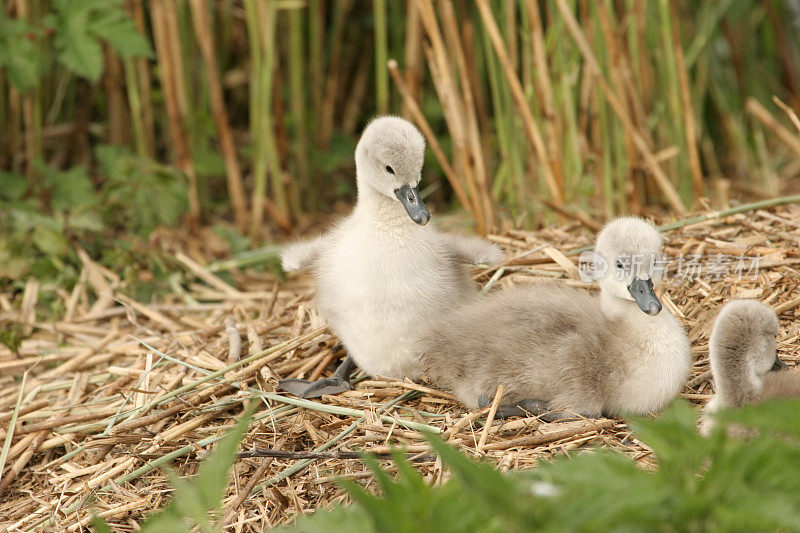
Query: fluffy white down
x: 380, y: 278
x: 663, y: 348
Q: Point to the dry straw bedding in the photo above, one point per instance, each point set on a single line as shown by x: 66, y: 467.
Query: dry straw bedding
x: 115, y: 388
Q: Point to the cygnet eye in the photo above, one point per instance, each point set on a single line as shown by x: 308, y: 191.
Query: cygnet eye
x: 619, y: 264
x: 389, y: 169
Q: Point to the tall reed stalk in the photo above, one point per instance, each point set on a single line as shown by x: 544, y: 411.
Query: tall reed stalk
x: 580, y: 108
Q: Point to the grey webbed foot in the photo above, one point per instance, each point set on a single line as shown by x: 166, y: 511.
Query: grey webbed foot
x: 530, y: 407
x: 335, y: 384
x: 523, y: 408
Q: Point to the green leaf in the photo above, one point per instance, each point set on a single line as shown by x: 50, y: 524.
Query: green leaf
x: 338, y: 518
x: 188, y: 500
x: 212, y: 478
x: 79, y: 28
x: 12, y: 186
x: 85, y: 220
x: 138, y: 194
x: 70, y: 189
x: 100, y: 525
x: 49, y: 241
x: 17, y: 52
x: 165, y: 521
x: 120, y: 33
x: 11, y: 337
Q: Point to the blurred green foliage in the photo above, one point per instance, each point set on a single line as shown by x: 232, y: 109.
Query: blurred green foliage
x: 129, y: 195
x: 701, y: 484
x: 81, y: 27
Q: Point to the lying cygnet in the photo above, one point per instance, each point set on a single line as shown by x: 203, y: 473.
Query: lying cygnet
x: 564, y: 350
x: 382, y: 273
x: 744, y: 363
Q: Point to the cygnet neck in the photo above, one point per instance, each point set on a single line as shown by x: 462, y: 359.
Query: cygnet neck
x: 376, y: 204
x: 619, y: 308
x: 735, y: 386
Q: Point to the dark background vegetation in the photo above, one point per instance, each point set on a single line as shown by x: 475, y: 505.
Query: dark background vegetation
x: 121, y: 117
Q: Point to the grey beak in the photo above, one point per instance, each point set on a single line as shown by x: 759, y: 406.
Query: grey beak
x: 411, y: 200
x: 779, y: 365
x: 642, y: 291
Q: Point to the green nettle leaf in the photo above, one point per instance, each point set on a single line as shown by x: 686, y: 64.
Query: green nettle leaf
x: 167, y: 520
x: 139, y: 194
x: 212, y: 477
x: 85, y: 220
x: 119, y: 32
x: 11, y: 337
x: 12, y: 186
x: 49, y: 241
x: 70, y: 189
x: 17, y: 52
x: 718, y: 483
x: 195, y: 498
x: 100, y: 525
x: 81, y: 26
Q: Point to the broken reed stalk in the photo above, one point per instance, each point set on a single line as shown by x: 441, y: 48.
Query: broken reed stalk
x: 205, y: 41
x: 755, y: 108
x: 422, y: 123
x: 591, y: 427
x: 789, y: 111
x: 439, y: 65
x: 490, y: 417
x: 453, y: 39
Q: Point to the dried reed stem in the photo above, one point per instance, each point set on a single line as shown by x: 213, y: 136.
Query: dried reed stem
x: 662, y: 180
x: 202, y: 30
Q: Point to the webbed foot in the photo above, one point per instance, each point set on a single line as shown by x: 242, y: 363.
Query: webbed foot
x: 531, y: 407
x: 304, y: 388
x: 335, y: 384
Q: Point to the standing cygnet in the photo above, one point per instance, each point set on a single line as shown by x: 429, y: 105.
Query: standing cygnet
x: 382, y: 273
x: 744, y: 363
x: 563, y: 350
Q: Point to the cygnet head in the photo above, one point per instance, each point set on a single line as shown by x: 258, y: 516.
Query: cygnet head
x: 631, y: 250
x: 389, y: 160
x: 742, y: 350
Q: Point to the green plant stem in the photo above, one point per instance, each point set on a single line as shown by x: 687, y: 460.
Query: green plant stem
x: 714, y: 215
x: 134, y: 101
x: 258, y: 106
x: 305, y: 462
x: 11, y: 425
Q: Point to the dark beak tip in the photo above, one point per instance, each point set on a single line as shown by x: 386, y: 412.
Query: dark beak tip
x: 415, y: 207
